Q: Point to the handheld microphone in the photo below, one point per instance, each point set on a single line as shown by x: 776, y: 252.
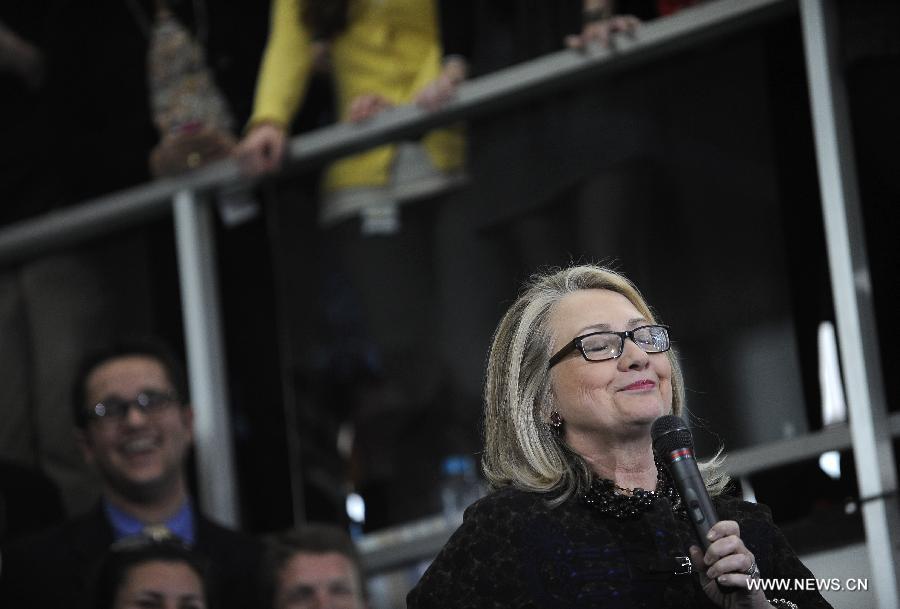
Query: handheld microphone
x: 674, y: 446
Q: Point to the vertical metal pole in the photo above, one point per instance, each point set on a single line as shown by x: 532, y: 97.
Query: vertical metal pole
x: 851, y: 283
x: 195, y: 240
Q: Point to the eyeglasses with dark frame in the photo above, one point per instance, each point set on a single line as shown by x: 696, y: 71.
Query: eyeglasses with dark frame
x: 601, y: 346
x: 149, y: 402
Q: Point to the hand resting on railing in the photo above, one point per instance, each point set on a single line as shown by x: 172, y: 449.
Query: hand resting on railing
x: 262, y: 149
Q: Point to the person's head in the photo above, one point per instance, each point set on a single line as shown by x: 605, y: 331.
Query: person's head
x: 142, y: 573
x: 611, y: 398
x: 314, y: 567
x: 134, y: 423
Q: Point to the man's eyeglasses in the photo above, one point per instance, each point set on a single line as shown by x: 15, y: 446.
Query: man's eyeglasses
x: 599, y: 346
x: 116, y: 409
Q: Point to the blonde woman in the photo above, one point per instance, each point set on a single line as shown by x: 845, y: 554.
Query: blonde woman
x: 581, y: 514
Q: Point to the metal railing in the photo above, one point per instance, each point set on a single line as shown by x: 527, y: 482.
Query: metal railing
x: 187, y: 197
x: 137, y: 205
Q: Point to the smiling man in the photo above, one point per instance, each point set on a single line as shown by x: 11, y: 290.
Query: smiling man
x: 136, y: 429
x: 135, y: 426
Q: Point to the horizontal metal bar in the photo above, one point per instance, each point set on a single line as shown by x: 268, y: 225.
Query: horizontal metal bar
x: 104, y: 215
x: 783, y: 452
x: 134, y: 206
x: 405, y: 544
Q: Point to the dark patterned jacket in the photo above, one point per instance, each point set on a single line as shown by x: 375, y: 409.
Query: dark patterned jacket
x: 513, y: 551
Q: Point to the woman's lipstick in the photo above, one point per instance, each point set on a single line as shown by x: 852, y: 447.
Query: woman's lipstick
x: 640, y: 385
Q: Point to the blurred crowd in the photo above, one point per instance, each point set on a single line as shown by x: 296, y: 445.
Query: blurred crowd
x: 361, y: 296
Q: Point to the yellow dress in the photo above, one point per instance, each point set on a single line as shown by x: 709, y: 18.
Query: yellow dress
x: 390, y: 47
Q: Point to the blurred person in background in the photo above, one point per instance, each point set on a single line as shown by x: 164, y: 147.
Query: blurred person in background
x: 381, y: 214
x: 135, y: 427
x: 552, y: 178
x: 582, y: 514
x: 151, y: 573
x: 110, y: 102
x: 315, y: 566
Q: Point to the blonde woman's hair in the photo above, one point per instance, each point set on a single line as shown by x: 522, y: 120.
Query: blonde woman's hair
x: 520, y: 450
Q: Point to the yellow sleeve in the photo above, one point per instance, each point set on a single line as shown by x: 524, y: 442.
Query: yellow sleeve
x: 284, y: 73
x: 430, y: 66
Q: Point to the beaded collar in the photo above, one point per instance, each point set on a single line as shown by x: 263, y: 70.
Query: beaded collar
x: 603, y: 497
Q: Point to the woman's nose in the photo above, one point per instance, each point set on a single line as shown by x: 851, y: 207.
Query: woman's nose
x: 633, y: 357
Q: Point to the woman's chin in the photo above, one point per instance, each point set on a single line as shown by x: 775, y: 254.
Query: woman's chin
x: 646, y: 411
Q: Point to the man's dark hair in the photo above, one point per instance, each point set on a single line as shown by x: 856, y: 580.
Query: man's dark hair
x: 149, y: 347
x: 311, y: 538
x: 130, y: 552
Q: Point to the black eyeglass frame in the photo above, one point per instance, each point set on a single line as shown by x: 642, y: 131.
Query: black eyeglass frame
x: 576, y: 343
x: 143, y: 402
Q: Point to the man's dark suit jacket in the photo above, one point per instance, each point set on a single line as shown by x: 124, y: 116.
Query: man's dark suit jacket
x: 54, y: 568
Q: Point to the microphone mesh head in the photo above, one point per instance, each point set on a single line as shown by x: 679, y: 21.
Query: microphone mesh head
x: 670, y: 433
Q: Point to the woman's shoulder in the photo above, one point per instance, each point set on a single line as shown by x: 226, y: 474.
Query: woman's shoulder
x: 509, y: 504
x: 482, y: 563
x: 507, y: 496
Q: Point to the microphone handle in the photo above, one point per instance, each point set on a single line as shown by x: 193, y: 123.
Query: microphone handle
x: 697, y: 504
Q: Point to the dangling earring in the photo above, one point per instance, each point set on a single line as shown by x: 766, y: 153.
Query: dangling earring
x: 555, y: 424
